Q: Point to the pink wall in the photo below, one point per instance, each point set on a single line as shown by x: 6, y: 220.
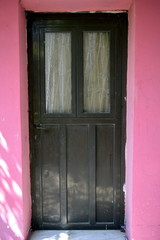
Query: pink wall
x: 24, y: 122
x: 143, y: 112
x: 73, y: 5
x: 144, y: 56
x: 130, y: 117
x: 14, y: 161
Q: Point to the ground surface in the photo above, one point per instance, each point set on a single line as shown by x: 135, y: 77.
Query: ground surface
x: 78, y: 235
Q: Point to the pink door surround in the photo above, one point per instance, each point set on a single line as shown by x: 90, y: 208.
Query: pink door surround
x: 143, y: 125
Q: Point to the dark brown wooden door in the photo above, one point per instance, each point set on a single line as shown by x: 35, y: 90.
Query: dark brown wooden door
x: 77, y: 68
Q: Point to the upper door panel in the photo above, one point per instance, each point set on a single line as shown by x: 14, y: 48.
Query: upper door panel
x: 77, y: 70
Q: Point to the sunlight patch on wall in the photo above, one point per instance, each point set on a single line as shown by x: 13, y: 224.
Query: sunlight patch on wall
x: 16, y: 188
x: 4, y: 167
x: 3, y: 142
x: 6, y: 185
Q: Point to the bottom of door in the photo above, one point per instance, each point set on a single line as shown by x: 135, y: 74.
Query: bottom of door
x: 78, y: 226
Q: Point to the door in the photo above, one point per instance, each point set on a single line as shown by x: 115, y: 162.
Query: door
x: 77, y: 68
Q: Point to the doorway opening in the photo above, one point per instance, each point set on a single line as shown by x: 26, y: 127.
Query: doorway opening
x: 77, y: 75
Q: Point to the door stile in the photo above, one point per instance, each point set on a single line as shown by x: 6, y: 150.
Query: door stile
x: 63, y: 174
x: 92, y: 173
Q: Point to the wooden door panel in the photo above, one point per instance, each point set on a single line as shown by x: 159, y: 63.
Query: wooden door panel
x: 50, y: 174
x: 104, y: 173
x: 77, y: 174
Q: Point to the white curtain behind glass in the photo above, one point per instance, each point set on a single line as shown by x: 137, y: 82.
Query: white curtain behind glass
x: 96, y: 72
x: 58, y: 72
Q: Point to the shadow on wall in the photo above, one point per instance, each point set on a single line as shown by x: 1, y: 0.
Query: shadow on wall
x: 10, y: 194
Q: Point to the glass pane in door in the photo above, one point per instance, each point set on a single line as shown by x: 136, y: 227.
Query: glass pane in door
x: 58, y: 72
x: 96, y: 70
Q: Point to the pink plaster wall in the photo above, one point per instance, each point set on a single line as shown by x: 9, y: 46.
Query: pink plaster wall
x: 14, y: 161
x: 24, y: 122
x: 73, y: 5
x: 130, y: 117
x: 144, y: 215
x: 143, y: 111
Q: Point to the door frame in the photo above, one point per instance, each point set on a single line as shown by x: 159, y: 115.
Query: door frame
x: 123, y: 63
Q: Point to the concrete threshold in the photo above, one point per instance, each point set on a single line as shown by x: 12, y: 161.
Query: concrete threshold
x: 78, y: 235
